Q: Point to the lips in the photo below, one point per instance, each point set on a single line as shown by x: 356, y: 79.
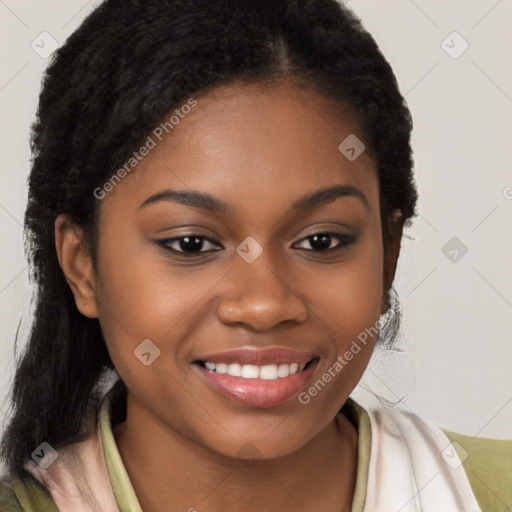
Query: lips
x: 260, y: 357
x: 256, y: 377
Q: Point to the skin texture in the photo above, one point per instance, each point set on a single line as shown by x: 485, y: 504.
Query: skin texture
x: 259, y: 149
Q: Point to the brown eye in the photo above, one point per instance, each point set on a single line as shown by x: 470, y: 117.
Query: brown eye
x: 188, y: 244
x: 322, y: 241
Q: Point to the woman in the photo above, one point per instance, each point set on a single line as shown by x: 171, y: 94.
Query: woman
x: 216, y: 204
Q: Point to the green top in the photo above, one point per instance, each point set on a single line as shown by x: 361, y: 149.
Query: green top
x: 488, y: 466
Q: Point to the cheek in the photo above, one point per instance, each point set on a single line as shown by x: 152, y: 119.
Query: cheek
x: 349, y: 311
x: 346, y: 298
x: 347, y: 306
x: 141, y: 296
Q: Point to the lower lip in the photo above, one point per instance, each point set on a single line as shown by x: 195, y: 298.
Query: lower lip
x: 258, y: 392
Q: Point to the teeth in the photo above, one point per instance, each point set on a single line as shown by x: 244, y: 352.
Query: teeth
x: 234, y: 369
x: 269, y: 372
x: 251, y: 371
x: 283, y: 370
x: 221, y: 368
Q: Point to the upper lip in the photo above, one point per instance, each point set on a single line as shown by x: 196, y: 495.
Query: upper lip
x: 259, y: 357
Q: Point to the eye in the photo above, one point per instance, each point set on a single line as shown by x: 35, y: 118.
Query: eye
x: 194, y: 244
x: 188, y: 245
x: 321, y: 241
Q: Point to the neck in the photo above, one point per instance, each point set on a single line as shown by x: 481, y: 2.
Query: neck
x: 166, y: 468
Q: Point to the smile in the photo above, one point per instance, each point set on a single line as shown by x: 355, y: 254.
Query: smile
x: 257, y: 378
x: 252, y: 371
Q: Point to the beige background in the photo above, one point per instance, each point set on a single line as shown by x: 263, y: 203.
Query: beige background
x: 457, y: 332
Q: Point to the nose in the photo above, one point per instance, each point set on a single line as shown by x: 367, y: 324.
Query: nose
x: 257, y: 296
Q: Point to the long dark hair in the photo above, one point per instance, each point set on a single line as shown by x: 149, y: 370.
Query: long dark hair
x: 113, y: 81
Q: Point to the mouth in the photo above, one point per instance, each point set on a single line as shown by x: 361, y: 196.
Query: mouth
x: 257, y: 378
x: 253, y: 371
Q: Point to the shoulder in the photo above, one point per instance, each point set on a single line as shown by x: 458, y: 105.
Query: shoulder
x: 488, y: 466
x: 486, y: 463
x: 28, y: 495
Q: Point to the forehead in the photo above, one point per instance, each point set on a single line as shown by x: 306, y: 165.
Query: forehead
x: 255, y: 147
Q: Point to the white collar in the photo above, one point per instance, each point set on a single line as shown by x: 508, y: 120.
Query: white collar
x: 413, y: 467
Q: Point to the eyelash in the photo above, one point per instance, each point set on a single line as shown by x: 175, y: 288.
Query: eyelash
x: 344, y: 241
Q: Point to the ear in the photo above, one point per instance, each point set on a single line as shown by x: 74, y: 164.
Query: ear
x: 391, y: 253
x: 76, y: 263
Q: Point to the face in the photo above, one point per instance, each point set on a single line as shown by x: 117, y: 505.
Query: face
x: 264, y: 277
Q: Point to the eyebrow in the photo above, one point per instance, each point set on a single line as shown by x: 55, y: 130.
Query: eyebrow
x: 210, y: 203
